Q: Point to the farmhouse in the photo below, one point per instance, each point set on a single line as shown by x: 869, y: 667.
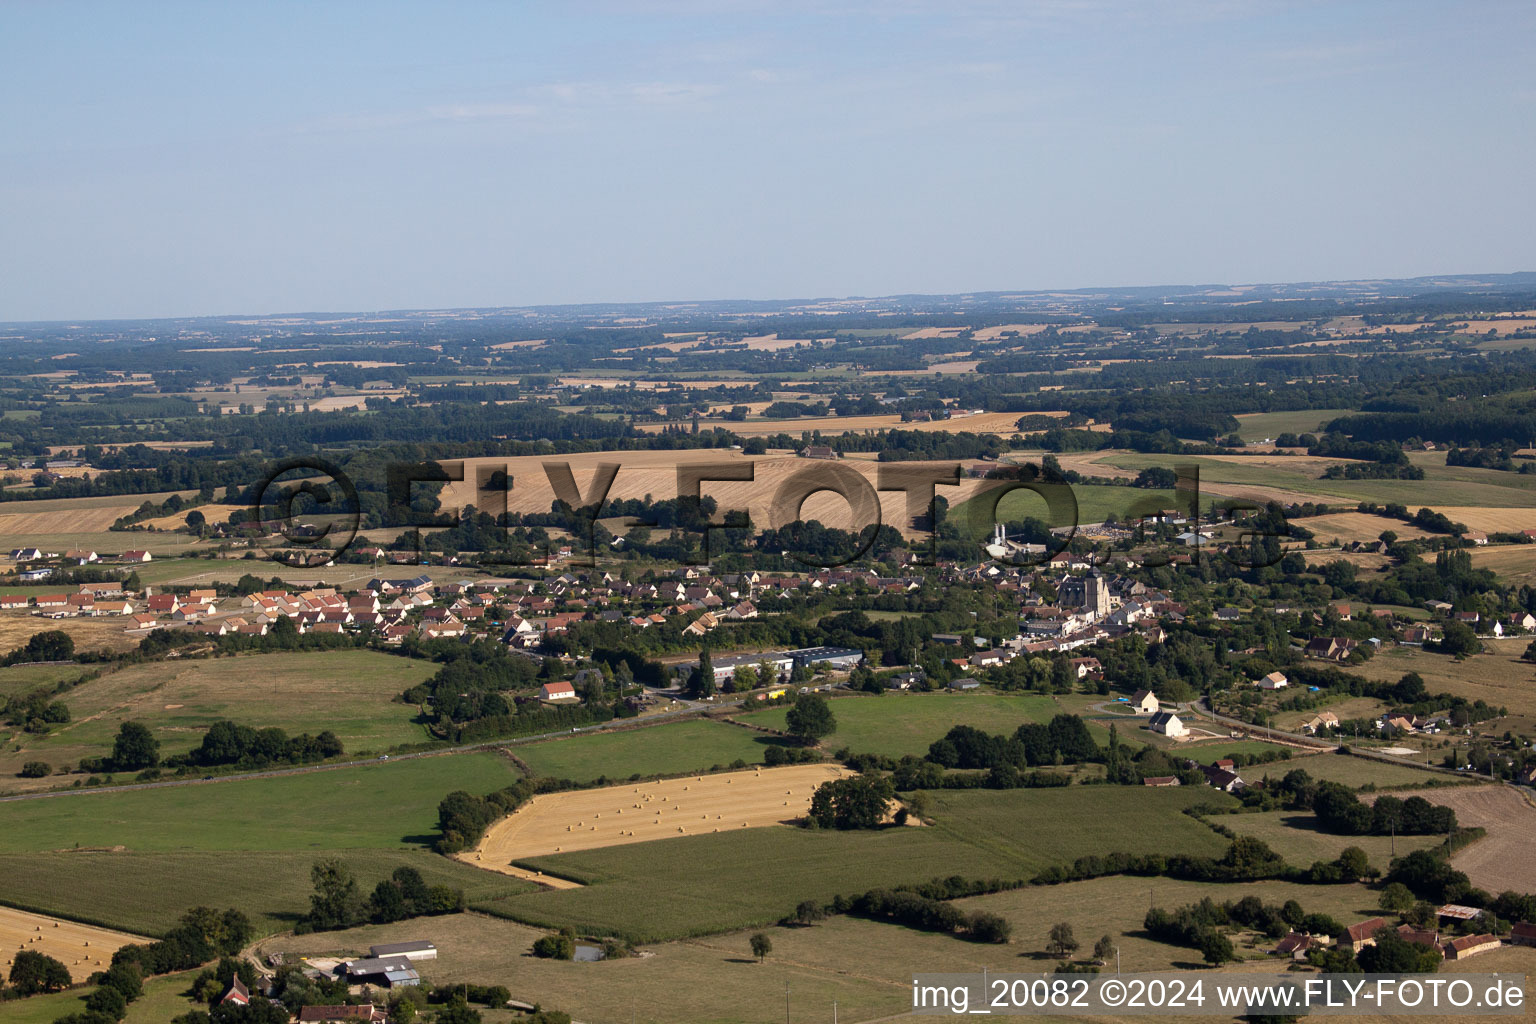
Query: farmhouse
x: 1167, y: 723
x: 1145, y: 702
x: 1330, y: 648
x: 1161, y: 780
x: 135, y: 556
x: 13, y: 601
x: 1358, y: 936
x: 817, y: 451
x: 1295, y: 945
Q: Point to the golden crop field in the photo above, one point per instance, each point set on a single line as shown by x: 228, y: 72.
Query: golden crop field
x: 82, y: 948
x: 1355, y: 526
x: 1490, y: 520
x: 638, y: 813
x: 90, y: 633
x: 1004, y: 423
x: 654, y: 473
x: 62, y: 522
x: 214, y: 513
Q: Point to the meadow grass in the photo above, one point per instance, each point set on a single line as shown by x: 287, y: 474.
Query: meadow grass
x: 696, y: 885
x: 350, y: 692
x: 1295, y: 836
x: 146, y: 893
x: 1256, y: 426
x: 381, y: 805
x: 164, y: 998
x: 691, y: 745
x: 906, y: 723
x: 1351, y: 771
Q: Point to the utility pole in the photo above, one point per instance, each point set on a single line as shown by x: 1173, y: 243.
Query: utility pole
x: 786, y: 1002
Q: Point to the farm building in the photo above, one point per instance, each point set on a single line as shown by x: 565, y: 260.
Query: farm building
x: 342, y: 1012
x: 1523, y: 934
x: 1167, y: 723
x: 137, y: 555
x: 415, y: 950
x: 1469, y: 945
x: 389, y: 971
x: 1161, y: 781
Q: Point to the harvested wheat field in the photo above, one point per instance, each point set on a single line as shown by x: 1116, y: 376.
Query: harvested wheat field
x: 647, y: 811
x: 82, y: 520
x: 82, y: 948
x: 1502, y: 860
x: 213, y: 513
x: 1353, y: 526
x: 654, y: 473
x: 1004, y: 423
x: 1490, y: 519
x: 90, y: 633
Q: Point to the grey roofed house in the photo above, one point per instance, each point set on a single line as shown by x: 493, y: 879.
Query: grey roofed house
x: 390, y: 970
x: 418, y: 949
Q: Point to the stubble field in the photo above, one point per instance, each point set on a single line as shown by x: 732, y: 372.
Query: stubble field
x: 619, y: 815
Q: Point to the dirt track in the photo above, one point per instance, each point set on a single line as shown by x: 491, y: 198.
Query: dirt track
x: 82, y: 948
x: 647, y: 811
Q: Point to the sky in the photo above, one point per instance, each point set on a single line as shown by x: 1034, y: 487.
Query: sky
x: 182, y: 159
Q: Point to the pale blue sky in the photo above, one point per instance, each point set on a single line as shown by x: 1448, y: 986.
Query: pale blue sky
x: 170, y: 159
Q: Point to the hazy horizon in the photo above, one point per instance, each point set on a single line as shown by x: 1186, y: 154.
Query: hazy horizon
x: 188, y: 160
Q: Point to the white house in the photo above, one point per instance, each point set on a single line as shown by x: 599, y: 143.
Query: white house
x: 1273, y: 681
x: 1167, y: 723
x: 560, y: 690
x: 1145, y: 702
